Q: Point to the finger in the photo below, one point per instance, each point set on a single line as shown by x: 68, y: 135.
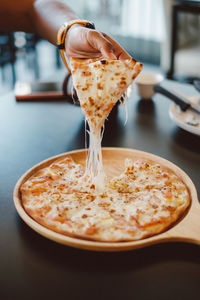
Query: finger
x: 99, y: 42
x: 83, y: 54
x: 120, y: 53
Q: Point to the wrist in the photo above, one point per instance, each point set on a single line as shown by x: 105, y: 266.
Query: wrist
x: 72, y: 33
x: 63, y: 32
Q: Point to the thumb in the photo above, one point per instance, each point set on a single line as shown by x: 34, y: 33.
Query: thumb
x: 99, y: 42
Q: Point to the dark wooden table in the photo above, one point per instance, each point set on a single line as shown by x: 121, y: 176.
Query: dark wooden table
x: 32, y: 267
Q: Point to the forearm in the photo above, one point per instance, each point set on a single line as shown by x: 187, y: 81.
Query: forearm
x: 48, y: 15
x: 43, y: 17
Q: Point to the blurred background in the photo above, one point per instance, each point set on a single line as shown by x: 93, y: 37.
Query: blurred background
x: 163, y: 34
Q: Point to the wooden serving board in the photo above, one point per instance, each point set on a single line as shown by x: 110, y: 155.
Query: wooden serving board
x: 187, y: 229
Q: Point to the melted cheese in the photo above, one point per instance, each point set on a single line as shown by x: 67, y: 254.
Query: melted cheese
x: 99, y: 85
x: 144, y: 200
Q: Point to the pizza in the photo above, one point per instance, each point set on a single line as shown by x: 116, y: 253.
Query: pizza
x: 144, y: 200
x: 99, y: 85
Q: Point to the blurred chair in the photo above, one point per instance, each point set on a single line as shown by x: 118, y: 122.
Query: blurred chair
x: 178, y: 6
x: 25, y: 44
x: 30, y: 47
x: 7, y: 54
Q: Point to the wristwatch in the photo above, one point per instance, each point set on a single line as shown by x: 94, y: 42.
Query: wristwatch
x: 62, y: 33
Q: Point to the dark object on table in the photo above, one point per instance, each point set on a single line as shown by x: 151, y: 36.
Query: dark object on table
x: 69, y: 90
x: 180, y: 102
x: 38, y: 90
x: 46, y: 90
x: 197, y: 84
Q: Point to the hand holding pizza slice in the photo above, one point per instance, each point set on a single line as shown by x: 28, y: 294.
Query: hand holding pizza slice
x: 82, y: 42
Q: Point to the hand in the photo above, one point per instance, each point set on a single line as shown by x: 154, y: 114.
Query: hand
x: 82, y: 42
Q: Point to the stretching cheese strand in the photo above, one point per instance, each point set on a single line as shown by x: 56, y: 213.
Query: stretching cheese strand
x: 94, y: 164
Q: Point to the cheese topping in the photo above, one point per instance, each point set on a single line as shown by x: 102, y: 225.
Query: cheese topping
x: 144, y: 200
x: 99, y: 85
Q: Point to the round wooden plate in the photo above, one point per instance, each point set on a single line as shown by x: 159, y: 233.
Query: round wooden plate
x: 187, y: 229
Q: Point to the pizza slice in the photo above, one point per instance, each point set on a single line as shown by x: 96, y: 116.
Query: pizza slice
x: 100, y: 84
